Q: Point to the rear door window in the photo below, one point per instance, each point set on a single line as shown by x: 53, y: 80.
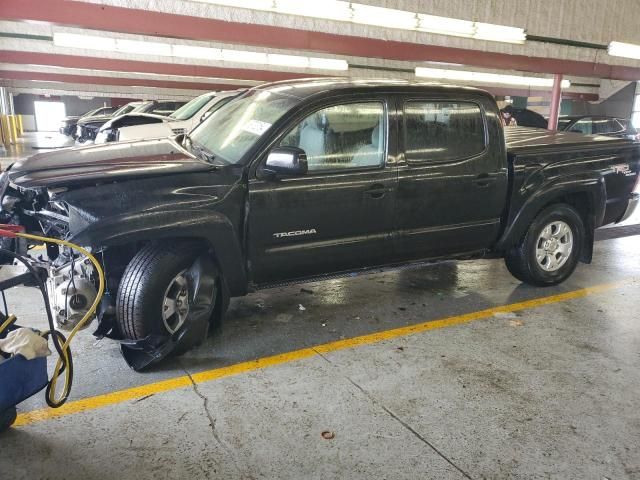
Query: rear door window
x: 605, y: 125
x: 441, y: 131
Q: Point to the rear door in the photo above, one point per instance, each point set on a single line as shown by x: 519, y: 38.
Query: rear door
x: 452, y: 178
x: 339, y: 216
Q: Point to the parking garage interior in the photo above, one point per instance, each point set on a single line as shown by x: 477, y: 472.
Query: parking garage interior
x: 263, y: 221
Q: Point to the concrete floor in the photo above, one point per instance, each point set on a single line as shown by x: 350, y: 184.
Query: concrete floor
x: 30, y: 144
x: 547, y: 392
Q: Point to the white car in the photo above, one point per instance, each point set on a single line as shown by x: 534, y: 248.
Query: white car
x: 182, y: 120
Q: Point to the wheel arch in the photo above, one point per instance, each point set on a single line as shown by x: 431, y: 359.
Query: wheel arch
x: 587, y: 194
x: 130, y: 233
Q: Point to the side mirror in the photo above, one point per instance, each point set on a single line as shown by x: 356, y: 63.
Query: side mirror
x: 286, y: 161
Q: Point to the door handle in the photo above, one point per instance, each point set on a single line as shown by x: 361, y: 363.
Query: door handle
x: 483, y: 180
x: 377, y: 191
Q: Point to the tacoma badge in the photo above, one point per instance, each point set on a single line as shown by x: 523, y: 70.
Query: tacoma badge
x: 295, y: 233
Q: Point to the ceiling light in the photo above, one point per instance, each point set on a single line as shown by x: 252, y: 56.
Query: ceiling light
x: 191, y: 51
x: 90, y: 42
x: 252, y: 4
x: 288, y: 60
x: 383, y: 17
x: 94, y: 42
x: 499, y: 33
x: 326, y: 9
x: 490, y: 78
x: 328, y: 64
x: 241, y: 56
x: 626, y: 50
x: 143, y: 47
x: 445, y: 26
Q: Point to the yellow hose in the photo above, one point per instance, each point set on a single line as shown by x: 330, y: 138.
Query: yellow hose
x: 10, y: 319
x: 53, y: 401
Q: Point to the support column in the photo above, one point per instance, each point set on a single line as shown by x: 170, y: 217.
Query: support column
x: 556, y: 98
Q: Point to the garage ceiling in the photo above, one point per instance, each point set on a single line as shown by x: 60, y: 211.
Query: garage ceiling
x: 562, y: 37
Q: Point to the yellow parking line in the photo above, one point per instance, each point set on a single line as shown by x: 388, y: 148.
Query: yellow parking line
x: 112, y: 398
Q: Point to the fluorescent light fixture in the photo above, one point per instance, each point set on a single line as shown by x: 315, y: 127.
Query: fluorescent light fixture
x: 626, y: 50
x: 251, y: 4
x: 327, y: 9
x: 91, y: 42
x: 384, y: 17
x: 445, y: 26
x: 328, y: 64
x: 288, y: 60
x: 484, y: 77
x: 143, y: 47
x: 499, y: 33
x: 192, y: 51
x: 242, y: 56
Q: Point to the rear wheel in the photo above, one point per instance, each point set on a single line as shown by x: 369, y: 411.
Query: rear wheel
x: 168, y: 290
x: 549, y: 252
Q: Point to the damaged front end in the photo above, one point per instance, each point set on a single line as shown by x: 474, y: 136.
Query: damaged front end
x: 106, y: 203
x: 71, y: 280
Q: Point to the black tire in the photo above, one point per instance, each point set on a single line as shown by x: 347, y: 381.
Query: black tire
x: 7, y: 418
x: 521, y: 259
x: 139, y: 305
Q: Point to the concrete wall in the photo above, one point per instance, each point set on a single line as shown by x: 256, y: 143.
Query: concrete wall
x: 618, y: 105
x: 23, y: 103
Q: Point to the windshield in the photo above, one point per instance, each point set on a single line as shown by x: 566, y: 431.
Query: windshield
x: 90, y: 113
x: 141, y: 107
x: 235, y: 128
x: 187, y: 111
x: 125, y: 109
x: 563, y: 122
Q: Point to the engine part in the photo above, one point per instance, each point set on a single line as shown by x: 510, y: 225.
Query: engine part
x: 71, y: 289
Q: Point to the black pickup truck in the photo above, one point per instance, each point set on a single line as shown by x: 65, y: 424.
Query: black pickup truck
x: 296, y: 180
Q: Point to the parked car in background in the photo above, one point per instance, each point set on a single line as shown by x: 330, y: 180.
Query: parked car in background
x: 110, y: 131
x: 135, y: 126
x: 68, y: 124
x: 599, y: 125
x: 87, y: 128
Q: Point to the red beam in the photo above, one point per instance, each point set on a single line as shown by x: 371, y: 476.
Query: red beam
x: 124, y: 82
x: 119, y: 19
x: 556, y: 99
x: 116, y: 65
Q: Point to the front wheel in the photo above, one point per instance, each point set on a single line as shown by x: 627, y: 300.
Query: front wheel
x: 549, y: 252
x: 168, y: 290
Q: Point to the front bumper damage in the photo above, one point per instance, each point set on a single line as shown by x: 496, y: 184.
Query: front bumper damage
x: 43, y: 212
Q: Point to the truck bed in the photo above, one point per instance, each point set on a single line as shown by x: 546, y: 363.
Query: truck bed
x: 525, y: 141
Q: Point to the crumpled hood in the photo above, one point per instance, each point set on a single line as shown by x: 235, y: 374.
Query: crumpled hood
x: 105, y: 163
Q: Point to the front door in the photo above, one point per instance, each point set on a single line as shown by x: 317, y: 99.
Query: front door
x: 452, y: 180
x: 337, y: 217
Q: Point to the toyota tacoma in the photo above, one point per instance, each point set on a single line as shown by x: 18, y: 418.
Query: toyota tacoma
x: 298, y: 180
